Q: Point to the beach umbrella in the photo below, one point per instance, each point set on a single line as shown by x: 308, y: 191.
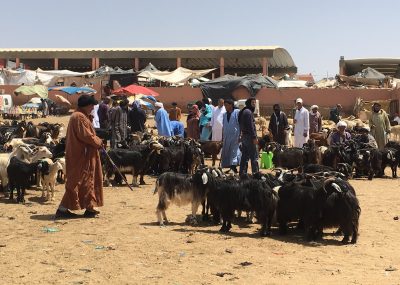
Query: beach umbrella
x: 61, y: 100
x: 135, y: 89
x: 39, y: 90
x: 143, y: 103
x: 73, y: 90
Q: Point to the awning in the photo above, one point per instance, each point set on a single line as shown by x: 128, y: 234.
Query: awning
x: 179, y: 75
x: 39, y: 90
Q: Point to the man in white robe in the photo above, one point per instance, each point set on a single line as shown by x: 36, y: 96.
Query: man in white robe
x: 217, y: 121
x: 301, y: 124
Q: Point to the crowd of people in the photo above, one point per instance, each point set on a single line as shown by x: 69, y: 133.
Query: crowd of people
x: 224, y: 122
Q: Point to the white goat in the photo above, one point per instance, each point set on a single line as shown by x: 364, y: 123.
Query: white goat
x: 49, y: 180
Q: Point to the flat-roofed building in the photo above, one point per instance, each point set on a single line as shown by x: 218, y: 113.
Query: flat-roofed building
x: 387, y: 66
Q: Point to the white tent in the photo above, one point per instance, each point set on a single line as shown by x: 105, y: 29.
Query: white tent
x: 26, y: 77
x: 292, y: 84
x: 179, y: 75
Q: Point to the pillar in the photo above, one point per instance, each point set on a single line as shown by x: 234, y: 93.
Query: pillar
x: 97, y: 62
x: 342, y: 66
x: 178, y: 62
x: 265, y: 66
x: 3, y: 63
x: 17, y: 62
x: 137, y: 67
x: 55, y: 63
x: 93, y: 63
x: 221, y: 66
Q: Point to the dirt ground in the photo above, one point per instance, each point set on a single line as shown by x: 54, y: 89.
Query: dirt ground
x: 124, y: 245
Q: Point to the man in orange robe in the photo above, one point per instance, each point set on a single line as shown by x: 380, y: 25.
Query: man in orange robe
x: 84, y: 177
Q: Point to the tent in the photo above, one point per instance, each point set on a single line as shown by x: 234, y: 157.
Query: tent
x: 223, y: 87
x: 39, y: 90
x: 367, y: 76
x: 179, y: 75
x: 292, y: 84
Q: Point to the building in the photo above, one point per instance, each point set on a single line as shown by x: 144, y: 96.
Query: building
x: 387, y: 66
x: 269, y: 60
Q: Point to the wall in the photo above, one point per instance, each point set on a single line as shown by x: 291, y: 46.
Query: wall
x: 267, y: 97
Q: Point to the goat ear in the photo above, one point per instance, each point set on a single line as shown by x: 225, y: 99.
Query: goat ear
x: 204, y: 177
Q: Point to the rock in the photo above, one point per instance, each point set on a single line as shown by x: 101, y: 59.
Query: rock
x: 245, y: 263
x: 86, y: 270
x: 390, y: 268
x: 228, y: 250
x: 396, y: 218
x: 222, y: 274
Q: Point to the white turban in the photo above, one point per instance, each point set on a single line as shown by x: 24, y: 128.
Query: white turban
x: 159, y: 105
x: 341, y: 124
x: 314, y: 106
x: 299, y: 100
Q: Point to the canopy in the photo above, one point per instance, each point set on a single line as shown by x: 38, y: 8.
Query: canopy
x: 39, y: 90
x: 73, y: 90
x: 292, y: 84
x: 223, y: 87
x: 26, y: 77
x: 135, y: 89
x: 179, y: 75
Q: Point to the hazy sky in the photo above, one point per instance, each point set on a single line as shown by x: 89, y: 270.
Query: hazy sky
x: 316, y: 33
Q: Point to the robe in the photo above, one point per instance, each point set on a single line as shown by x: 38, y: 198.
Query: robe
x: 204, y: 121
x: 315, y: 122
x: 137, y: 119
x: 301, y: 126
x: 178, y: 128
x: 96, y: 122
x: 278, y: 126
x: 163, y: 123
x: 217, y: 123
x: 230, y: 148
x: 175, y: 114
x: 380, y: 125
x: 84, y: 177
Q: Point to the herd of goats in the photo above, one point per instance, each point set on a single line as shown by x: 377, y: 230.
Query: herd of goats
x: 309, y: 185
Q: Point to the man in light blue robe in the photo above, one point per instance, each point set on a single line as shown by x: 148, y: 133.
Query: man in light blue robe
x: 205, y: 120
x: 230, y: 153
x: 162, y: 121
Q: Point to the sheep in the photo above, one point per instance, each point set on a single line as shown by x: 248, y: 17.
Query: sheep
x: 49, y: 180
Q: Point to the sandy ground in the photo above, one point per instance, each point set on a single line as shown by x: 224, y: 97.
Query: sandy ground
x: 124, y: 245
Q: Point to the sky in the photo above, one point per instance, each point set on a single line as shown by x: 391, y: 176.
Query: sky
x: 315, y: 33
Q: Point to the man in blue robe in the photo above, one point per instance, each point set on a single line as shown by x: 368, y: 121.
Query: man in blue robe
x: 162, y: 121
x: 178, y: 129
x: 205, y: 120
x: 230, y: 154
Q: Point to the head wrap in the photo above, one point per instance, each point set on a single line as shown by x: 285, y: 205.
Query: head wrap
x: 341, y: 124
x: 159, y: 105
x: 86, y: 100
x: 299, y: 100
x: 314, y: 106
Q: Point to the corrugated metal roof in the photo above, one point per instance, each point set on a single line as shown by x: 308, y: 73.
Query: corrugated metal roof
x: 234, y: 48
x: 385, y: 65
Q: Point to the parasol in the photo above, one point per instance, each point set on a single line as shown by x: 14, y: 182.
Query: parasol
x: 135, y: 89
x: 61, y: 100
